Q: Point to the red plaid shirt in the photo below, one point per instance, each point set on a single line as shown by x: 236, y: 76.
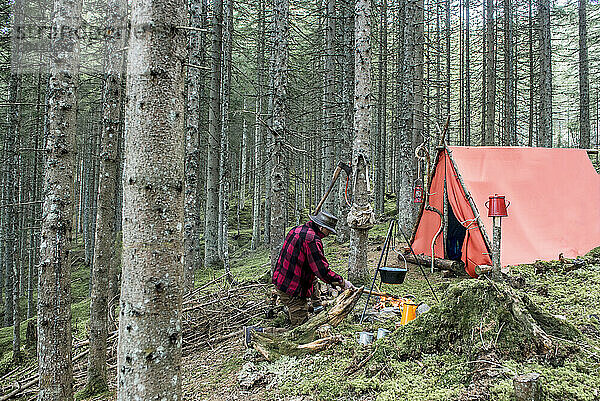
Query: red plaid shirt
x: 300, y: 260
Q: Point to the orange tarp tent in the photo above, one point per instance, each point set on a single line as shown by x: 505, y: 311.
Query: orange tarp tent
x: 554, y: 197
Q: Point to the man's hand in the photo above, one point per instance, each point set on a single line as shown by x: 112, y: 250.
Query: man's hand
x: 348, y: 285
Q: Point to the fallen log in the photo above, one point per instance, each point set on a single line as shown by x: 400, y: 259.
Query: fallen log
x: 456, y: 266
x: 301, y: 340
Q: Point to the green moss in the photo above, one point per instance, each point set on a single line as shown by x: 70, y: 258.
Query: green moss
x: 473, y: 316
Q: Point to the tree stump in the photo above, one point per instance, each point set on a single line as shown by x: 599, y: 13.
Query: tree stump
x: 527, y: 387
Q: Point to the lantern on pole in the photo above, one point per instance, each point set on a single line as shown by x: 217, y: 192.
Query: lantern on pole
x: 497, y: 209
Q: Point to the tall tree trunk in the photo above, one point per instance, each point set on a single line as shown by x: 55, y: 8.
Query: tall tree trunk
x: 531, y: 74
x: 490, y: 76
x: 278, y: 153
x: 15, y: 173
x: 510, y: 135
x: 467, y: 141
x: 406, y: 113
x: 258, y: 127
x: 584, y: 80
x: 54, y: 288
x: 347, y: 118
x: 149, y: 352
x: 224, y: 168
x: 192, y: 152
x: 381, y: 114
x: 211, y: 236
x: 361, y: 207
x: 329, y: 103
x: 106, y: 236
x: 545, y: 86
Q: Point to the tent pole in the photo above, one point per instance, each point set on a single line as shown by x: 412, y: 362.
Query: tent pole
x: 486, y: 239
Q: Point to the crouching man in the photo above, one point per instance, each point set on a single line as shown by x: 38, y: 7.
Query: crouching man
x: 301, y: 260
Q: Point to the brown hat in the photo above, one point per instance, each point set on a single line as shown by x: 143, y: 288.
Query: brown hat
x: 325, y: 219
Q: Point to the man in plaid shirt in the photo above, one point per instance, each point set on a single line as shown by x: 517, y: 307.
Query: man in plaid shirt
x: 300, y: 261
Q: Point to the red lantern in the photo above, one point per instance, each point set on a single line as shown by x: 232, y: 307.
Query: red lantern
x: 497, y: 206
x: 418, y: 194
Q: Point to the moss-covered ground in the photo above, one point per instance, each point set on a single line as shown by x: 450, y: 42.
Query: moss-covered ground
x: 415, y: 362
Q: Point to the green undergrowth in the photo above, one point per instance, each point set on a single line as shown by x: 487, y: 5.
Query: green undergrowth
x: 80, y: 311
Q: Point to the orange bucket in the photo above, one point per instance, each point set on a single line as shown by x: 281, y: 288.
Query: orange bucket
x: 409, y: 312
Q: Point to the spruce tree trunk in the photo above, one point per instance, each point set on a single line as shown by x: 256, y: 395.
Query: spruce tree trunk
x: 211, y: 235
x: 258, y: 128
x: 584, y: 80
x: 54, y: 289
x: 149, y: 351
x: 347, y: 125
x: 277, y: 133
x: 358, y: 271
x: 467, y: 73
x: 406, y: 114
x: 328, y: 104
x: 490, y: 76
x: 225, y: 168
x: 545, y: 84
x: 510, y: 135
x: 104, y: 260
x: 192, y: 153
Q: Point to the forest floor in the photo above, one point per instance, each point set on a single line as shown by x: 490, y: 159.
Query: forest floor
x: 226, y: 370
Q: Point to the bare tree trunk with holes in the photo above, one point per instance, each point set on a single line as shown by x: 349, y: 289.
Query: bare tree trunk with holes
x: 192, y: 152
x: 258, y: 127
x: 545, y: 86
x: 149, y: 351
x: 362, y: 209
x: 54, y: 289
x: 211, y: 235
x: 278, y: 153
x: 106, y: 236
x: 584, y: 79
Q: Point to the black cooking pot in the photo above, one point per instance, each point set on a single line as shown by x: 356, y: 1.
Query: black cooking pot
x: 392, y: 275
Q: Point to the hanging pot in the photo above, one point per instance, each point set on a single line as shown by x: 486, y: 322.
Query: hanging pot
x: 392, y: 275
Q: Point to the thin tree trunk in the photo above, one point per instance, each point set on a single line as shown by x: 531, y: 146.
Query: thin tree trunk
x: 278, y: 154
x: 490, y: 76
x: 467, y: 73
x: 225, y: 169
x: 347, y: 63
x: 211, y: 236
x: 258, y: 128
x: 329, y: 103
x: 510, y: 136
x: 54, y: 289
x: 545, y: 53
x: 192, y: 152
x: 106, y: 237
x: 584, y: 80
x: 531, y: 74
x: 150, y: 327
x: 361, y: 207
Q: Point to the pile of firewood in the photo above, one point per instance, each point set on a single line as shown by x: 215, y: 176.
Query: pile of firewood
x: 214, y: 312
x: 219, y: 309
